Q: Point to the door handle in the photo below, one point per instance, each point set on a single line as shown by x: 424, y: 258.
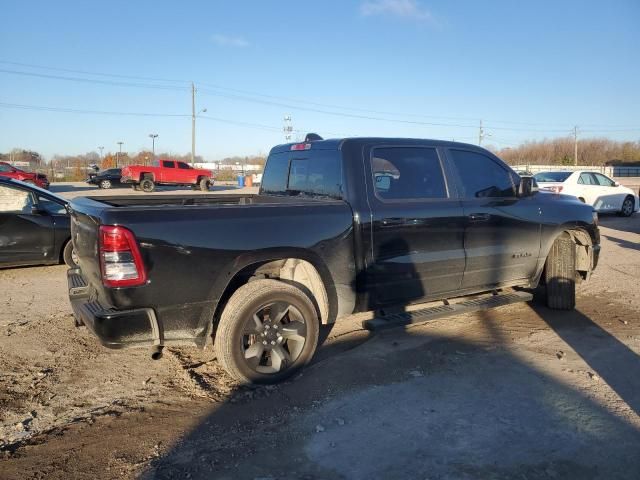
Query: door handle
x: 479, y: 217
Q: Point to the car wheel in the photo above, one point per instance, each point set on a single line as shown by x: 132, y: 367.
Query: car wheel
x: 560, y: 274
x: 268, y: 330
x: 204, y: 184
x: 69, y: 255
x: 627, y: 207
x: 105, y: 184
x: 147, y: 185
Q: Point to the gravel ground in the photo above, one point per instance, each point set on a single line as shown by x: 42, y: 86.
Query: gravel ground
x: 516, y: 392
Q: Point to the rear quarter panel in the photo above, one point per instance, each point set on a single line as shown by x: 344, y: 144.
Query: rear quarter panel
x: 192, y: 253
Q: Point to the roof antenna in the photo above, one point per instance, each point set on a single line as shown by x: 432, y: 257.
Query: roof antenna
x: 312, y: 137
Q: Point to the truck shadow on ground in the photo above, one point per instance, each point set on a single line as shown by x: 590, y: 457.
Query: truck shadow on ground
x: 624, y: 224
x: 411, y: 401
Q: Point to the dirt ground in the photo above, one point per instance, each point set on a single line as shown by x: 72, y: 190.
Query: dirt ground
x: 516, y: 392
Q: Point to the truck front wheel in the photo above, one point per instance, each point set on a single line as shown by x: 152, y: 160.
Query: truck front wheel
x: 560, y: 274
x: 205, y: 183
x: 147, y: 185
x: 267, y: 331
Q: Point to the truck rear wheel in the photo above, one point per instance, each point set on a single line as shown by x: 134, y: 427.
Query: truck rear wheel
x: 268, y: 330
x: 205, y: 183
x: 560, y: 274
x: 147, y: 185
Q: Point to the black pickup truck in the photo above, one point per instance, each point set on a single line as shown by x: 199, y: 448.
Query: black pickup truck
x: 339, y: 226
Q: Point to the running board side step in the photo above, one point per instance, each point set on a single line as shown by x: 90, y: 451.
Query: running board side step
x: 441, y: 311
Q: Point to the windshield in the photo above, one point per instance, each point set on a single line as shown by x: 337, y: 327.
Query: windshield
x: 551, y: 176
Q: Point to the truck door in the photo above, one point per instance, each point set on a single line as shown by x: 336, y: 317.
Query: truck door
x: 417, y: 227
x: 185, y: 174
x: 167, y: 171
x: 502, y: 234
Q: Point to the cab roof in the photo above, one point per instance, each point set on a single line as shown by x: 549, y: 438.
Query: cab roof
x: 339, y: 143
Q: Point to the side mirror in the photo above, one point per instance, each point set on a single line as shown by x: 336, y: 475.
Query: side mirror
x: 38, y: 211
x: 616, y: 184
x: 527, y: 187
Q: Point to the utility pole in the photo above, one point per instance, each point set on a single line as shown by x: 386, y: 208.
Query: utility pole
x: 119, y: 153
x: 575, y: 145
x: 193, y: 122
x: 482, y: 134
x: 101, y: 154
x: 194, y: 114
x: 287, y: 128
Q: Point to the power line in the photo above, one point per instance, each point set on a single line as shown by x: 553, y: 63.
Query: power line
x: 85, y: 72
x: 289, y: 99
x: 92, y: 80
x: 89, y: 112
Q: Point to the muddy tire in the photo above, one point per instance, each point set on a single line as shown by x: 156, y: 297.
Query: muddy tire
x: 205, y: 183
x: 628, y: 206
x: 560, y: 274
x: 68, y: 255
x: 267, y: 331
x: 147, y: 185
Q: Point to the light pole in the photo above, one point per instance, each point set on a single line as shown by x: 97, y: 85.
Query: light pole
x: 193, y: 125
x: 153, y: 137
x: 119, y: 153
x: 101, y: 155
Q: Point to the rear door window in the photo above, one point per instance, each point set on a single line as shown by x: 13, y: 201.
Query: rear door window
x: 587, y: 179
x: 167, y: 164
x: 402, y: 173
x: 481, y: 176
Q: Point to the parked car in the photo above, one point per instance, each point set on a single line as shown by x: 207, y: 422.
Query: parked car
x: 9, y: 171
x: 593, y: 188
x: 166, y: 172
x: 107, y: 178
x: 34, y: 226
x: 338, y: 226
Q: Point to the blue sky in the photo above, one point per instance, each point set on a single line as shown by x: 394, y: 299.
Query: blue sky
x: 417, y: 68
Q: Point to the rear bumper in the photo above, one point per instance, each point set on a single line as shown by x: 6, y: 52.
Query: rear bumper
x: 114, y: 328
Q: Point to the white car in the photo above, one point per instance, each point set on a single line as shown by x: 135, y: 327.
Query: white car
x: 591, y: 187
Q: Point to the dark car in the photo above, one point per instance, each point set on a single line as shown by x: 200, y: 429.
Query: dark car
x: 107, y: 178
x: 339, y: 226
x: 34, y: 226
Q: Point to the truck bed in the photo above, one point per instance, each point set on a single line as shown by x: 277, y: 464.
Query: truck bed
x: 194, y: 200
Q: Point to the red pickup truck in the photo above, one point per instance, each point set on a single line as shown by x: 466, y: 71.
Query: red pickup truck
x: 38, y: 179
x: 166, y: 172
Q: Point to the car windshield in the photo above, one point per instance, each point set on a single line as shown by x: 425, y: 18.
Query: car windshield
x: 551, y: 176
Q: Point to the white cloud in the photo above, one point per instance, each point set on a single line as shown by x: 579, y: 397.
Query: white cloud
x: 229, y: 41
x: 411, y: 9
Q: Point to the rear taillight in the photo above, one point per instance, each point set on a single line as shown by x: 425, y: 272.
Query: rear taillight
x: 120, y: 259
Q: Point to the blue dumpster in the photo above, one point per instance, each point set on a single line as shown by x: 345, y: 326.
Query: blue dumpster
x: 241, y: 180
